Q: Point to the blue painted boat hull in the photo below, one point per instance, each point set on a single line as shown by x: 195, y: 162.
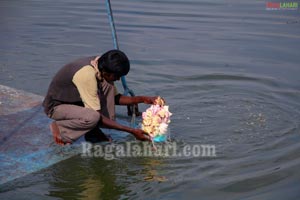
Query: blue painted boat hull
x: 26, y: 143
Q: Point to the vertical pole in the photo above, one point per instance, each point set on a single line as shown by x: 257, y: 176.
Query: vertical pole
x: 127, y: 91
x: 112, y: 24
x: 116, y: 45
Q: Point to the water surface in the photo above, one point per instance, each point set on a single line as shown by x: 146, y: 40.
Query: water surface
x: 228, y: 69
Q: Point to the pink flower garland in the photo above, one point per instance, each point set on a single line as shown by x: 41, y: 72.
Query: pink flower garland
x: 156, y: 119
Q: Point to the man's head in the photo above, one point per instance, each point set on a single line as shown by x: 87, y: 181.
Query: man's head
x: 113, y: 65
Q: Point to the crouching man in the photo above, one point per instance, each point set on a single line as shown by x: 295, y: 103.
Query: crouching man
x: 81, y: 98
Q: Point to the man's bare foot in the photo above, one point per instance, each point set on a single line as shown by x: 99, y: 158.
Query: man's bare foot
x: 56, y: 134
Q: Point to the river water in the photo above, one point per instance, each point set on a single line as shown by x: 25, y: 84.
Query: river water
x: 228, y: 69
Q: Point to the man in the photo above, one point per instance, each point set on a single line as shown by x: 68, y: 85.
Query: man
x: 82, y: 97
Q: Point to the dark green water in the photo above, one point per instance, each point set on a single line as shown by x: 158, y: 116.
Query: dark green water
x: 228, y: 69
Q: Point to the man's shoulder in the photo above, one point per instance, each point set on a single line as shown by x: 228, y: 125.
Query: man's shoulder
x: 86, y: 70
x: 86, y: 73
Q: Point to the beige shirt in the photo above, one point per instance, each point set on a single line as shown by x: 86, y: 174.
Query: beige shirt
x: 86, y: 83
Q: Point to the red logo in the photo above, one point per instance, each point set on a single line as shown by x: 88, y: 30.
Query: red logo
x: 273, y: 5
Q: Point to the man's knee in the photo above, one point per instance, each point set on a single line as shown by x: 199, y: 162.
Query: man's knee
x: 92, y: 119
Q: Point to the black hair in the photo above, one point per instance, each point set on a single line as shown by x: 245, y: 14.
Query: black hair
x: 114, y: 61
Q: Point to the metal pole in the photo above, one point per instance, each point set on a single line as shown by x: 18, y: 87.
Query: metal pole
x: 116, y: 45
x: 131, y: 109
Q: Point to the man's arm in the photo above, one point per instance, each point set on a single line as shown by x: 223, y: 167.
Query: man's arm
x: 137, y: 133
x: 128, y: 100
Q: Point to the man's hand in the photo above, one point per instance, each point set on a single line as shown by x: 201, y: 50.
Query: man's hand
x: 149, y: 100
x: 141, y: 135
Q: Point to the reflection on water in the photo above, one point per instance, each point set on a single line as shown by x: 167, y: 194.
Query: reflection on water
x: 228, y: 69
x: 85, y: 179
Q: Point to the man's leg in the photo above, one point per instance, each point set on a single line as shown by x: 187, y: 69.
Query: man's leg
x: 96, y: 135
x: 74, y: 121
x: 106, y: 94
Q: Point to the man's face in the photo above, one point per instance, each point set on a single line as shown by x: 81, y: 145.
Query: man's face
x: 110, y: 77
